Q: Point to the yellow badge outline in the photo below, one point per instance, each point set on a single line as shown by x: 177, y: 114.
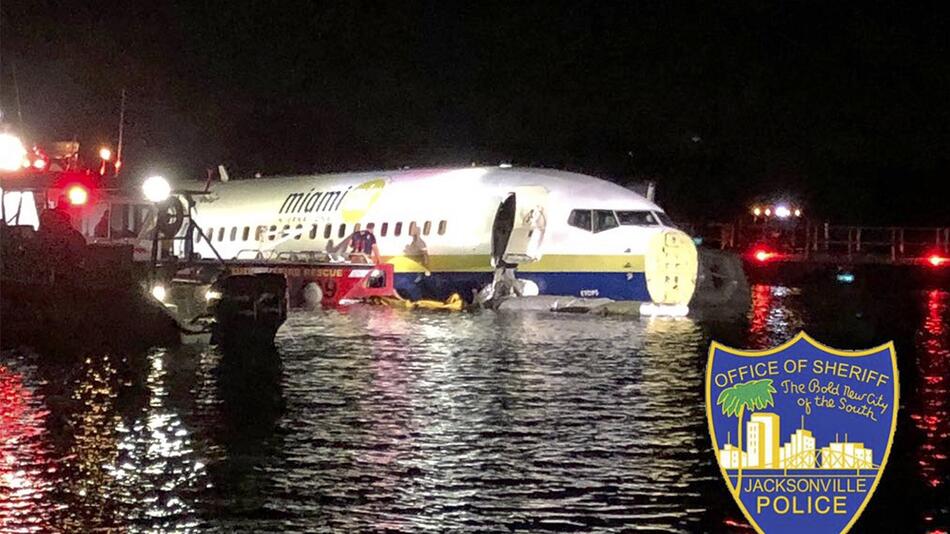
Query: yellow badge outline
x: 831, y: 350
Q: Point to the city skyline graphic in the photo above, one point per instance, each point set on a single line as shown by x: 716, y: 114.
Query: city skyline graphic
x: 763, y: 449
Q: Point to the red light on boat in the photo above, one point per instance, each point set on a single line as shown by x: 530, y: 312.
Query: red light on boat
x: 937, y: 260
x: 762, y: 255
x: 77, y: 195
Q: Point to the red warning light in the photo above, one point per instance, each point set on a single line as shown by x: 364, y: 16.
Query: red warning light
x: 77, y: 195
x: 762, y: 255
x: 937, y: 260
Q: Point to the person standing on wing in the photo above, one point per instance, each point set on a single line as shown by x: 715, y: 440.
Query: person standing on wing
x: 418, y: 248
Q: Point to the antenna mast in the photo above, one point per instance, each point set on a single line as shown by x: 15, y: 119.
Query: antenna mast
x: 118, y: 150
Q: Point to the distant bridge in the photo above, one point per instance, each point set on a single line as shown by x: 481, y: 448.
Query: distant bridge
x: 815, y: 459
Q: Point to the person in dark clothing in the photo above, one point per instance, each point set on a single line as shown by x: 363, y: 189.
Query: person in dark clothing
x: 63, y: 247
x: 364, y: 242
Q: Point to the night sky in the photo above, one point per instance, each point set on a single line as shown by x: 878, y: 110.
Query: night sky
x: 844, y: 107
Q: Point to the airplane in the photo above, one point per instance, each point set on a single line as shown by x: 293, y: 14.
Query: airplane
x: 452, y: 230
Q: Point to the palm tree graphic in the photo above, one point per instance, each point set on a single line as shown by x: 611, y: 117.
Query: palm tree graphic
x: 754, y: 394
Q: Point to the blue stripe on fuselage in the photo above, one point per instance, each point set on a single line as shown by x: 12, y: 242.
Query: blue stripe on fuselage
x: 439, y: 286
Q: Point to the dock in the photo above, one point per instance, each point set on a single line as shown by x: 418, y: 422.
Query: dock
x: 825, y: 243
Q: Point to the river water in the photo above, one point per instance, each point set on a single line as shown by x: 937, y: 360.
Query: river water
x: 381, y: 419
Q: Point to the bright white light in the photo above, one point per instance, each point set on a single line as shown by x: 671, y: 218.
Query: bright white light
x: 768, y: 211
x: 39, y: 164
x: 782, y: 211
x: 798, y: 212
x: 77, y: 195
x: 12, y: 152
x: 505, y: 165
x: 156, y: 189
x: 212, y: 295
x: 105, y: 154
x: 158, y: 291
x: 756, y: 211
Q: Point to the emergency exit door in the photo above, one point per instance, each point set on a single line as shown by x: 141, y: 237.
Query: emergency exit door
x: 520, y: 223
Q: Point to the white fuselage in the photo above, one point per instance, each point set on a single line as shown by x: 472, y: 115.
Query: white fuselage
x: 607, y: 252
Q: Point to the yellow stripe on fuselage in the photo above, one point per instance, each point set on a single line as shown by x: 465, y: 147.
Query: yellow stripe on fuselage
x: 627, y: 263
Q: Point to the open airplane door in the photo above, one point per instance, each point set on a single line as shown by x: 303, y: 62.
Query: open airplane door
x: 518, y: 230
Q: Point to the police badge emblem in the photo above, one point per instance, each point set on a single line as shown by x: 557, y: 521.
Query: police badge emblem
x: 802, y: 432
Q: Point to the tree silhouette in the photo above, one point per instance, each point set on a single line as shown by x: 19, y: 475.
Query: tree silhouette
x: 754, y: 394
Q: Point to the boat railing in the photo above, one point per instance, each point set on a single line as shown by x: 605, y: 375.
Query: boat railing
x: 300, y: 256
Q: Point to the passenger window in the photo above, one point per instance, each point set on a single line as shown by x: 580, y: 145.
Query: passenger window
x: 397, y: 231
x: 442, y: 225
x: 580, y: 219
x: 313, y: 232
x: 384, y: 229
x: 259, y: 234
x: 604, y: 220
x: 327, y: 230
x: 298, y: 232
x: 210, y: 234
x: 234, y: 233
x: 342, y: 233
x: 246, y: 234
x: 636, y: 218
x: 197, y: 236
x: 413, y: 228
x: 285, y: 231
x: 426, y: 228
x: 221, y: 234
x: 272, y: 233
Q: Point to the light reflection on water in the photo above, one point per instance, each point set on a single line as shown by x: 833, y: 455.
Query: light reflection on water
x: 27, y: 470
x: 471, y: 422
x: 155, y: 462
x: 774, y: 315
x: 930, y: 408
x: 386, y: 419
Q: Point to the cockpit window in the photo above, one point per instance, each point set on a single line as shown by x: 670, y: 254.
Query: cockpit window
x: 580, y: 219
x: 604, y: 220
x: 665, y: 219
x: 637, y: 218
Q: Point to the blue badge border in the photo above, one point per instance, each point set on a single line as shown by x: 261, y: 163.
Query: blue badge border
x: 889, y: 346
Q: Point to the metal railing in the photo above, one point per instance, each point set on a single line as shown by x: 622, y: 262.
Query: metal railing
x: 806, y: 241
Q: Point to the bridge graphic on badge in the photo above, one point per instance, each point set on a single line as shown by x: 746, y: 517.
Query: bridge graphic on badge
x: 802, y: 432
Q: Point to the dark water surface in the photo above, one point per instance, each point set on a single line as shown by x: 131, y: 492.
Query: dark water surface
x: 381, y: 419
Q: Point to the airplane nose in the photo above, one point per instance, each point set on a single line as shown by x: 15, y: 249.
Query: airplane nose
x: 670, y: 267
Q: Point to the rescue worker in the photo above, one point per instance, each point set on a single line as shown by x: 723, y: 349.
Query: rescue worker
x: 417, y: 247
x: 63, y: 246
x: 364, y: 243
